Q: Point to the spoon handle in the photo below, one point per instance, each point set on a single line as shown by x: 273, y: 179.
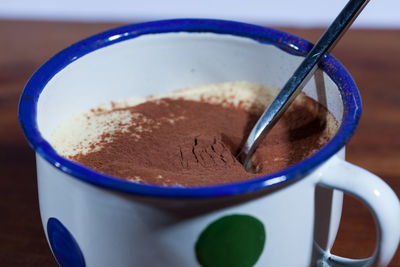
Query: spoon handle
x: 300, y: 77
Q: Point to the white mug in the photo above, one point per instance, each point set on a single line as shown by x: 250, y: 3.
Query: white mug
x: 288, y: 218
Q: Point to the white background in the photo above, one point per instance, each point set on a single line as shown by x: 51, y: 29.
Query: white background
x: 378, y: 13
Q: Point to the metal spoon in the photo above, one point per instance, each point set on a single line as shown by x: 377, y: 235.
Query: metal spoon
x: 300, y: 77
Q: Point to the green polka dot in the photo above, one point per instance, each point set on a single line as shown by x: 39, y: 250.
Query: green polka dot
x: 231, y: 241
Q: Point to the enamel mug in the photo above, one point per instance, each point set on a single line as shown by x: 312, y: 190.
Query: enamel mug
x: 288, y: 218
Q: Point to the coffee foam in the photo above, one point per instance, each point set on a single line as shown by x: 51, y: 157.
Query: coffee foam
x: 82, y: 133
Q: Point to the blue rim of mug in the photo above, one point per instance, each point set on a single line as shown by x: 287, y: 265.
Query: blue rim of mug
x: 289, y: 43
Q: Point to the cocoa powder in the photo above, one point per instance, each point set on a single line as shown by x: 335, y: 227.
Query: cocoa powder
x: 192, y: 143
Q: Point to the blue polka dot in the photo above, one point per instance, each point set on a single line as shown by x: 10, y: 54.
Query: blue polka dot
x: 63, y: 244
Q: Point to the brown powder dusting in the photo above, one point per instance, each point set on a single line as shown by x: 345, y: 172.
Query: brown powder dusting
x: 191, y: 143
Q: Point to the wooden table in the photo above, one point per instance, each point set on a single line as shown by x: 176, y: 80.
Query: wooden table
x: 372, y: 56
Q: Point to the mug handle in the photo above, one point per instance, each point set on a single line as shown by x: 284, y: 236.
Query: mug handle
x: 381, y: 201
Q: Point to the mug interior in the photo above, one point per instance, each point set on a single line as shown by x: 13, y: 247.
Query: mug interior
x: 158, y: 63
x: 151, y: 58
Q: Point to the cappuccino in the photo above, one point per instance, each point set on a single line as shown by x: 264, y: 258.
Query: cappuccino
x: 191, y: 137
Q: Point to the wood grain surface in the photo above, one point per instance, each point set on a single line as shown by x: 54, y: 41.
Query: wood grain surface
x: 371, y: 56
